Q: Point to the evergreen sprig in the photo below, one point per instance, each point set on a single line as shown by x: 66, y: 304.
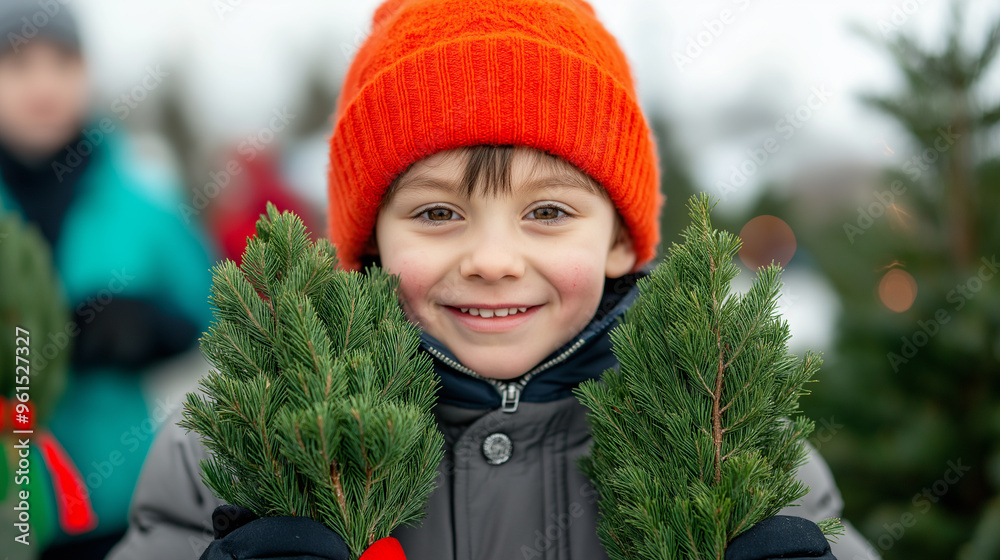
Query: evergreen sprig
x: 33, y: 299
x: 319, y: 403
x: 694, y: 436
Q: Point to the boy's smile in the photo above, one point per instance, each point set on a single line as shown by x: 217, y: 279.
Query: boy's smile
x: 489, y: 319
x: 501, y: 279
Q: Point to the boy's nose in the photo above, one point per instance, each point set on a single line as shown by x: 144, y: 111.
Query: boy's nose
x: 492, y: 258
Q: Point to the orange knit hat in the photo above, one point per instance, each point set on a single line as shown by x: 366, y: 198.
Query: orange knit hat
x: 441, y: 74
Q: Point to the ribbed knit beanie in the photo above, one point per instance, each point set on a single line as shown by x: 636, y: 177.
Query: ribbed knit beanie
x: 24, y: 20
x: 440, y: 74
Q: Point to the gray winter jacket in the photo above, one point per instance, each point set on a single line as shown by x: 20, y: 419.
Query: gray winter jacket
x: 508, y: 488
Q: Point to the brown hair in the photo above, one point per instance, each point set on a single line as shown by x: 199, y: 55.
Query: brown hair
x: 487, y: 173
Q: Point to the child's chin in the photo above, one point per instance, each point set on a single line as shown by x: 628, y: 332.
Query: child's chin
x: 498, y: 366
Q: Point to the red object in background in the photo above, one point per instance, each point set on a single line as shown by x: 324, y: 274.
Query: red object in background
x: 14, y: 417
x: 22, y: 417
x: 233, y: 215
x: 387, y: 548
x: 76, y: 514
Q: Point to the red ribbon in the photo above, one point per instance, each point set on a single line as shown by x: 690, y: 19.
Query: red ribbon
x: 76, y: 514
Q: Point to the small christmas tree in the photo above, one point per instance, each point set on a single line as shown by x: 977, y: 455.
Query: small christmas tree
x: 319, y: 405
x: 694, y: 440
x: 33, y: 326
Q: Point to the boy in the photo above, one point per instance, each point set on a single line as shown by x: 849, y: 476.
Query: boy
x: 493, y: 154
x: 135, y: 277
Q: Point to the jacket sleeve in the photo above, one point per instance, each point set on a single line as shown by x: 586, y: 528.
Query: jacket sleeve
x: 171, y: 512
x: 823, y: 501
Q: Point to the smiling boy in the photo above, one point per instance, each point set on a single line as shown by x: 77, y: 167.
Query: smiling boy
x: 492, y: 154
x: 501, y: 278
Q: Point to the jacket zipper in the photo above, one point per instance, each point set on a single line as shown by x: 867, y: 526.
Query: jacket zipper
x: 510, y: 393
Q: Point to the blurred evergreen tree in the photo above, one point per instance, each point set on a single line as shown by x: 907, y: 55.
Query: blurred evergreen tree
x: 913, y: 394
x: 675, y: 182
x: 34, y: 357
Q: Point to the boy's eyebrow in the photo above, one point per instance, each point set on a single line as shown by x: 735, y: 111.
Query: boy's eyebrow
x: 545, y: 181
x: 427, y: 184
x: 562, y: 180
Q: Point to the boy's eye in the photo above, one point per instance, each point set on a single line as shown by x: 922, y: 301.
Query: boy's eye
x: 438, y: 214
x: 546, y: 213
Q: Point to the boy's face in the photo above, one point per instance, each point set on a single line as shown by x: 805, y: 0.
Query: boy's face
x: 466, y: 263
x: 43, y: 97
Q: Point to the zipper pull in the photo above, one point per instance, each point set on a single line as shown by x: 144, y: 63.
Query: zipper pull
x: 511, y: 395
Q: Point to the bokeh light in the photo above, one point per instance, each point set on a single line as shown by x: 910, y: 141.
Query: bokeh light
x: 765, y: 239
x: 897, y: 290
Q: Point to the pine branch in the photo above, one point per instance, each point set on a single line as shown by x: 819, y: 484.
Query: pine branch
x: 694, y: 436
x: 319, y: 403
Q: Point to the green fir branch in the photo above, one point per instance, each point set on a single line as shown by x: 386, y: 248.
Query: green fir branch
x: 319, y: 402
x: 696, y: 436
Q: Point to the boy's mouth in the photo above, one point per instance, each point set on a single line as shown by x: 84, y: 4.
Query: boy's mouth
x: 493, y: 319
x: 487, y: 313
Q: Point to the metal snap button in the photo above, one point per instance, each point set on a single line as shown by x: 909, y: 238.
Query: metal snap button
x: 497, y: 448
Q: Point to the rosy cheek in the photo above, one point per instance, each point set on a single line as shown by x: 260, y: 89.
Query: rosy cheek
x: 413, y: 292
x: 576, y: 282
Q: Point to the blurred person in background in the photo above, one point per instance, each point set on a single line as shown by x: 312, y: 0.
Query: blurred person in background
x: 136, y: 277
x: 232, y: 215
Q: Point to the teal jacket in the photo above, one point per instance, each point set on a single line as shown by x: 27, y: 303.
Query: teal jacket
x: 122, y: 236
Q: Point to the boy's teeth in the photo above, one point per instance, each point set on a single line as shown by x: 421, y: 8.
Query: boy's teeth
x: 489, y: 313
